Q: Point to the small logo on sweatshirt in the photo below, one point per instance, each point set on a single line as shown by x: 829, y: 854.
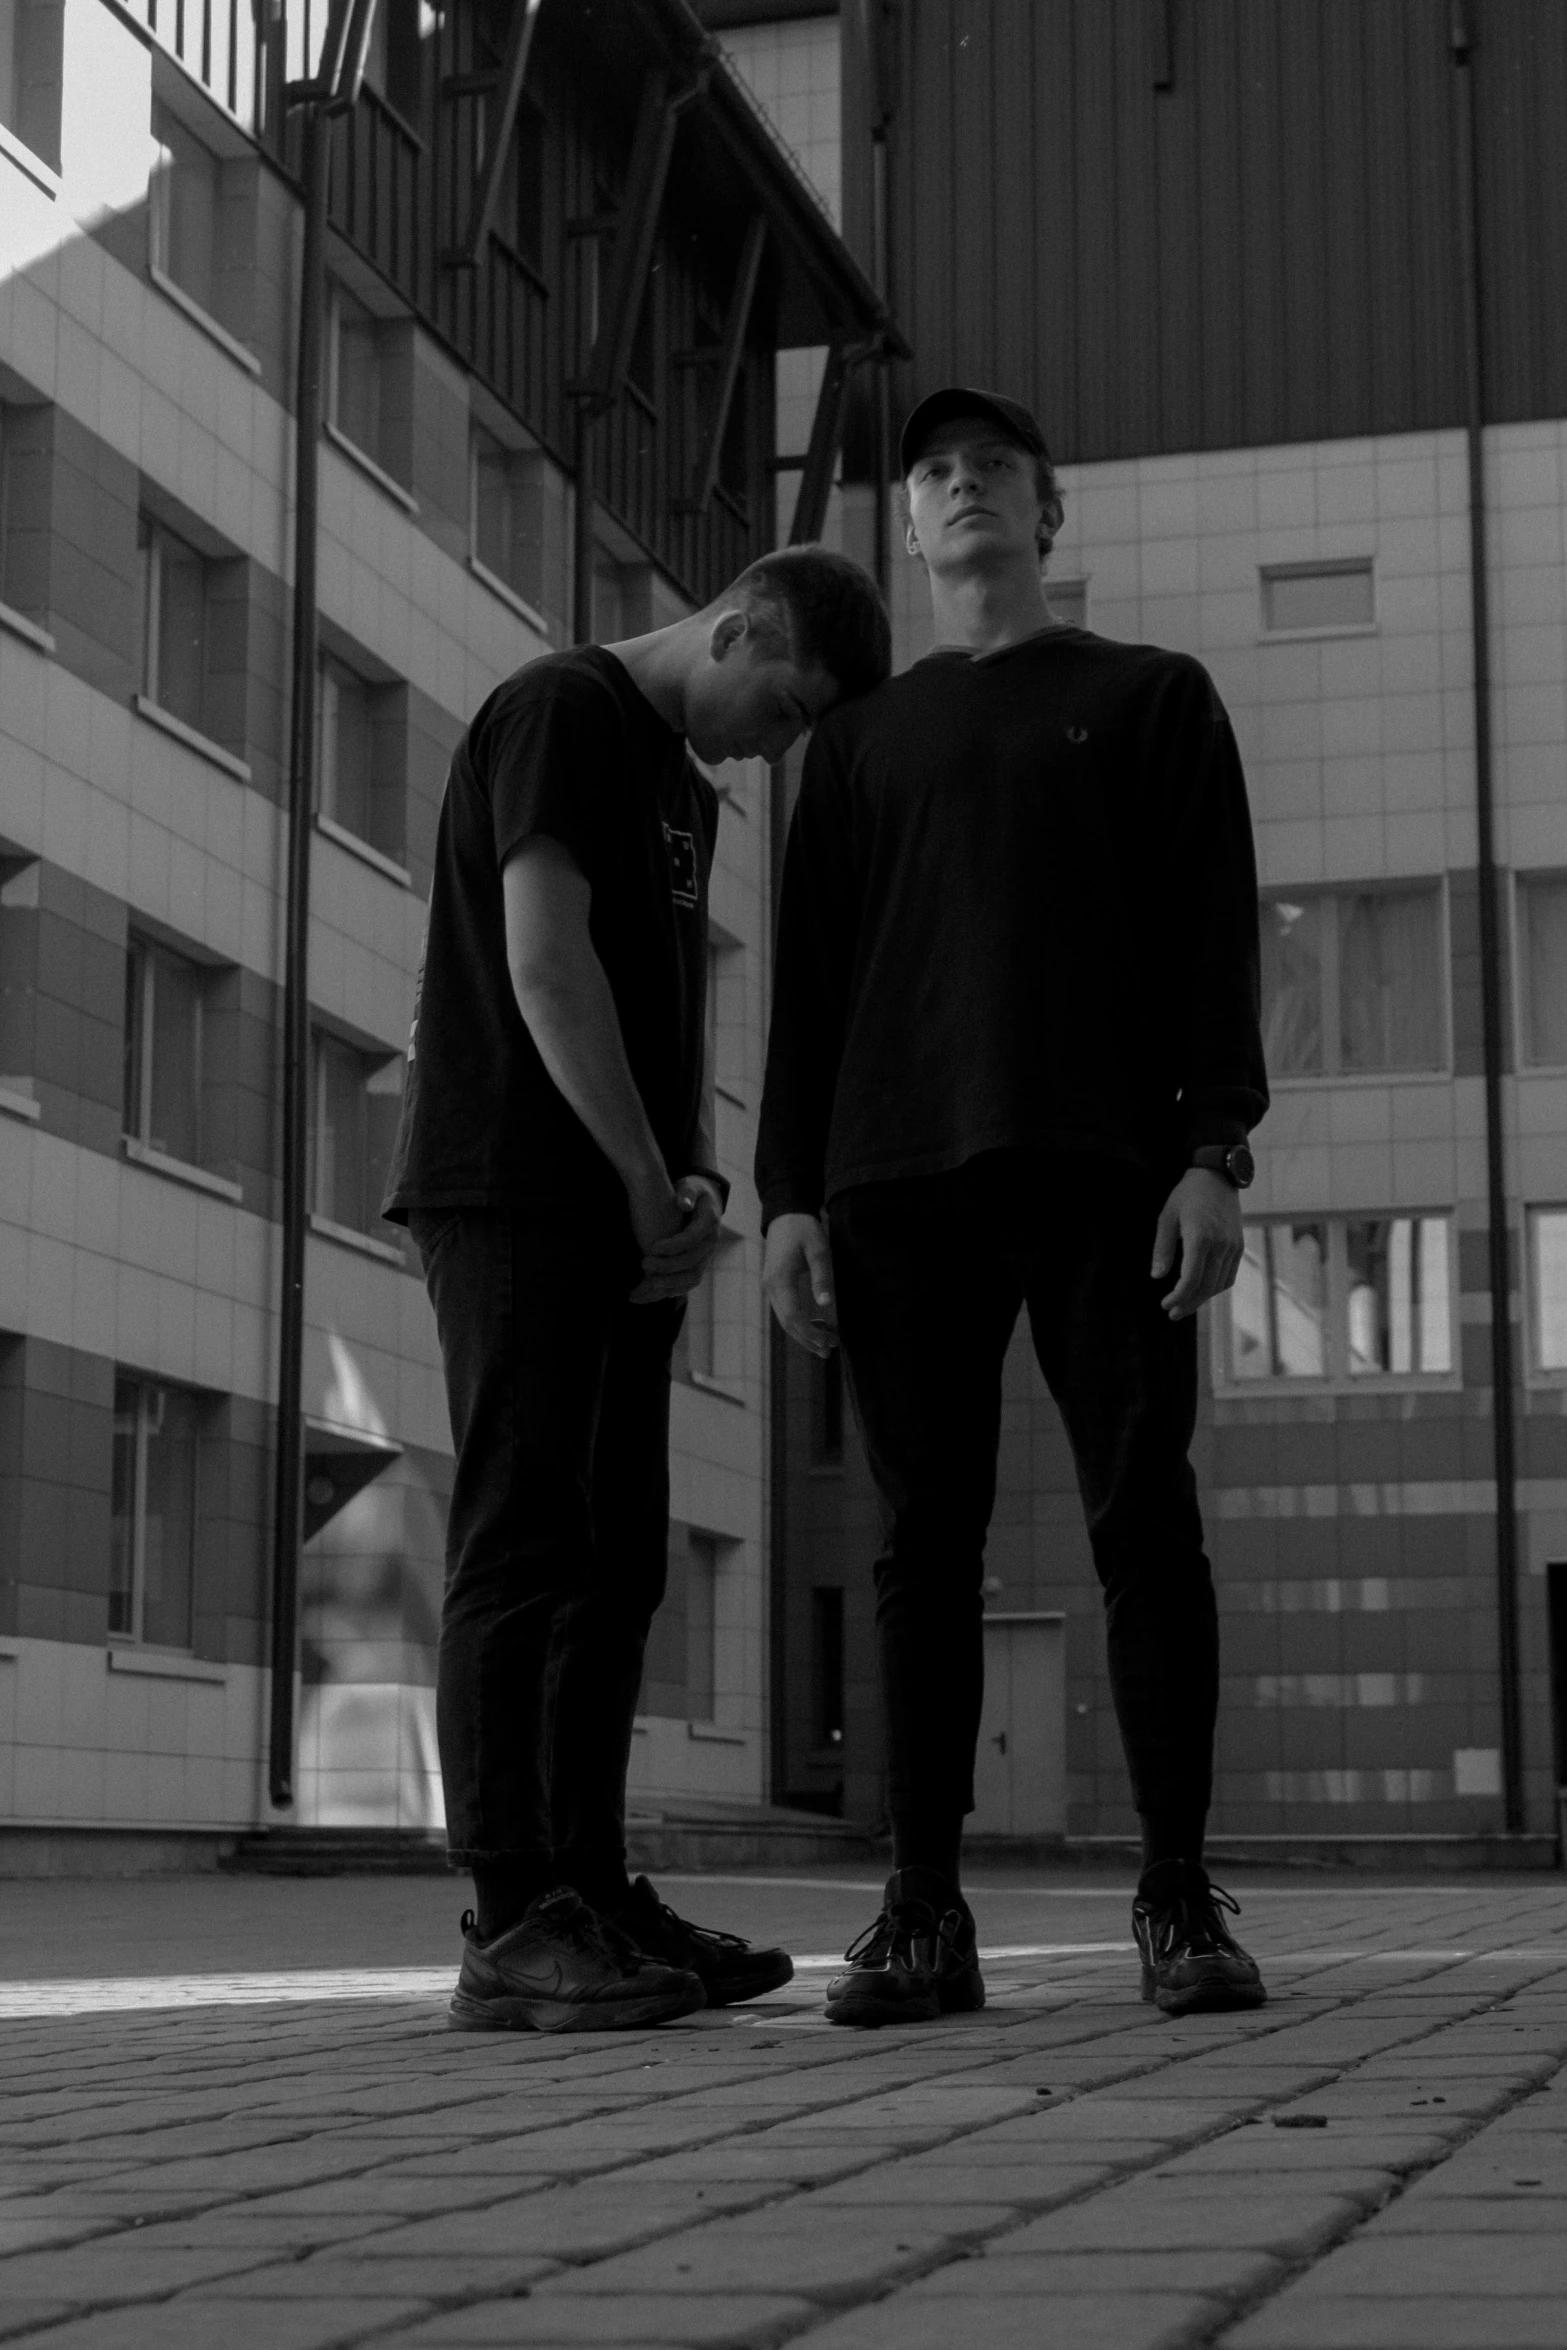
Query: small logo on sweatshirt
x: 682, y: 866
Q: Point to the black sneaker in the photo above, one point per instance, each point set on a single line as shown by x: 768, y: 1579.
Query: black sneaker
x: 727, y: 1968
x: 918, y: 1961
x: 1192, y: 1963
x: 563, y: 1968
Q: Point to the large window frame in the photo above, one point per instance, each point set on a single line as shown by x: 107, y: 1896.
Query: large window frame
x: 1342, y: 1304
x: 138, y: 1566
x: 1547, y: 1326
x: 371, y: 1074
x: 1525, y: 884
x: 1327, y: 904
x: 154, y: 973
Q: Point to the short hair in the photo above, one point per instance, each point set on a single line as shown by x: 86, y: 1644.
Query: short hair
x: 836, y: 617
x: 1048, y: 491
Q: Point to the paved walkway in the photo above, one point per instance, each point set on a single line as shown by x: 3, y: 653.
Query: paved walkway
x: 273, y: 2155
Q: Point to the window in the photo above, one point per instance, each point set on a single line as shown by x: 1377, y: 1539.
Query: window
x: 701, y: 1627
x: 182, y: 208
x: 508, y: 507
x: 1278, y: 1304
x: 354, y: 1100
x: 355, y: 402
x: 1542, y: 956
x: 1353, y: 982
x: 163, y: 1051
x: 359, y: 777
x: 1396, y: 1302
x: 30, y: 74
x: 827, y: 1707
x: 1548, y: 1267
x: 152, y: 1525
x: 1310, y: 597
x: 1342, y: 1299
x: 174, y: 623
x: 711, y: 1344
x: 1068, y: 601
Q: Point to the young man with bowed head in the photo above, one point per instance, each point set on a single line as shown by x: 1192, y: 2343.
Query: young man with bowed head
x: 554, y: 1163
x: 1015, y: 1056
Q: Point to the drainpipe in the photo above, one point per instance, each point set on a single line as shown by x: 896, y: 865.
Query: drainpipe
x: 1503, y: 1430
x: 333, y: 91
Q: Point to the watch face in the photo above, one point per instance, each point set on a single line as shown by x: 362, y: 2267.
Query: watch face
x: 1242, y: 1165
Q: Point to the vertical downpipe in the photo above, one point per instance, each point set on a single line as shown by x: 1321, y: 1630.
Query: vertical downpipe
x: 1504, y: 1439
x: 288, y: 1506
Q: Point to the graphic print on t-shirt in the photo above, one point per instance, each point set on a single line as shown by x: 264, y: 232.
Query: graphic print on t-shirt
x: 682, y: 866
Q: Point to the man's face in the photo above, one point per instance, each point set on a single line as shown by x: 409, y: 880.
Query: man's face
x: 972, y: 497
x: 752, y: 699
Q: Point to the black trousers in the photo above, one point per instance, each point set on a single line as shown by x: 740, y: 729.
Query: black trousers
x: 557, y: 1540
x: 931, y: 1275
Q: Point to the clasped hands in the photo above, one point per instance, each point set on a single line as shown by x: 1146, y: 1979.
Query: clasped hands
x: 677, y: 1227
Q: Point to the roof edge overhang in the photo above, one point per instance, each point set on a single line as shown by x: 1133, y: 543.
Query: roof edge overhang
x: 831, y: 299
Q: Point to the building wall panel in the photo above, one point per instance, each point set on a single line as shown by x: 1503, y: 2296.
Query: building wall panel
x: 1059, y: 221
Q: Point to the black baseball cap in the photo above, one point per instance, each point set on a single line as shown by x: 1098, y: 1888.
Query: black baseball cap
x: 962, y: 400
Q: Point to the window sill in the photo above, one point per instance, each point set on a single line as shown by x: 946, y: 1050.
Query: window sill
x: 714, y: 1735
x: 1384, y: 1383
x: 31, y: 166
x: 142, y: 1154
x: 377, y: 859
x: 17, y: 1105
x: 1316, y: 636
x: 368, y: 466
x: 203, y: 746
x: 1359, y: 1079
x: 210, y: 326
x: 166, y: 1664
x: 386, y: 1252
x: 18, y: 624
x: 509, y: 596
x: 724, y: 1388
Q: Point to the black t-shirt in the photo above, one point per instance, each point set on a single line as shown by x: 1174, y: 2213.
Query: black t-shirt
x: 1019, y: 910
x: 569, y: 748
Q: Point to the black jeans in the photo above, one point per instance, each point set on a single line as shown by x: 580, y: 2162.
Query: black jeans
x: 557, y: 1541
x: 931, y: 1275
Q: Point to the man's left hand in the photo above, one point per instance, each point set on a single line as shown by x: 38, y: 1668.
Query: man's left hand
x: 673, y: 1267
x: 1199, y: 1225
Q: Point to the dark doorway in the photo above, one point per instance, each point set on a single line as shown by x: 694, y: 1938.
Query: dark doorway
x: 1556, y: 1596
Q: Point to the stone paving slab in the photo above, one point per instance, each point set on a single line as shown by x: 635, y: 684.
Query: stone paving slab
x: 236, y: 2162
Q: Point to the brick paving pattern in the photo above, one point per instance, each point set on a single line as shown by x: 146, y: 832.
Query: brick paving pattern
x: 1378, y: 2158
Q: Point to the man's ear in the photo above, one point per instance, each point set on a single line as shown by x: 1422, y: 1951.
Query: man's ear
x: 911, y: 545
x: 727, y: 631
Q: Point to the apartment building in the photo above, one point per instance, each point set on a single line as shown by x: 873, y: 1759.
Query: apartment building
x: 564, y: 251
x: 1222, y: 255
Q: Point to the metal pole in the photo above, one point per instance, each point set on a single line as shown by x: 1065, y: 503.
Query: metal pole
x: 288, y: 1499
x: 1503, y: 1433
x: 582, y: 529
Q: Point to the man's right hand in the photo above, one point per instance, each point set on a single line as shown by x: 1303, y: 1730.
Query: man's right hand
x: 797, y: 1277
x: 656, y: 1214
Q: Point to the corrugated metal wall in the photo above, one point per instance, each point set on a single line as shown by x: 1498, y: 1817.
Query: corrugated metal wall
x: 1185, y: 224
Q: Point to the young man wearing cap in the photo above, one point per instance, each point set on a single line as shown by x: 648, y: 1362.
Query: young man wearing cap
x: 1015, y: 1056
x: 555, y: 1165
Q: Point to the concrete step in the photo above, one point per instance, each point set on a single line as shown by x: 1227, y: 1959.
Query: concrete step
x: 699, y: 1836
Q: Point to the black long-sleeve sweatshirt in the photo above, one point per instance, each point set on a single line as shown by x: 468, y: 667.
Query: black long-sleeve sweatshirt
x: 1019, y: 909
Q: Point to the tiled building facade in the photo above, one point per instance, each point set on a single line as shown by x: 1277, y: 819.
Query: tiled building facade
x: 148, y: 251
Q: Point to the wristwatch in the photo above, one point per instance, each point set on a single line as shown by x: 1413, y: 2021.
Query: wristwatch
x: 1232, y: 1160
